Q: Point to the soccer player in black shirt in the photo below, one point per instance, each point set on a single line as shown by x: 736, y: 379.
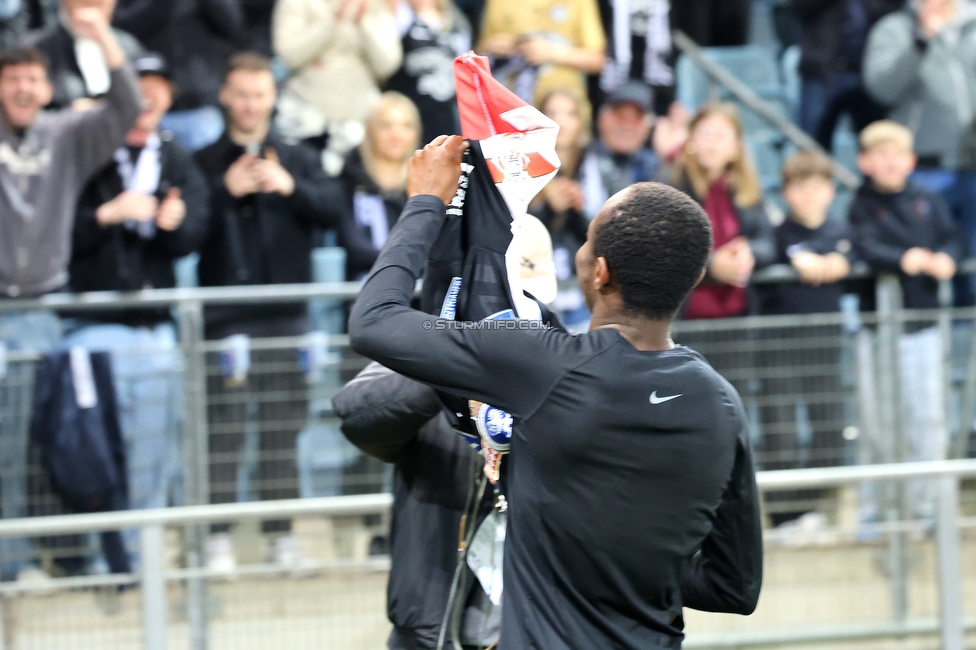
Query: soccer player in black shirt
x: 630, y: 480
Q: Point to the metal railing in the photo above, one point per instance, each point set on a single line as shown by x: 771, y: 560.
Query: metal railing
x: 153, y: 577
x: 188, y: 305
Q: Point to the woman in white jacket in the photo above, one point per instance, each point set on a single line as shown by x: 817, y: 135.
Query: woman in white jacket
x: 339, y: 51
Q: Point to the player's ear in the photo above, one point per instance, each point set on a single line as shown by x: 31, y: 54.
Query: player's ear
x: 601, y: 273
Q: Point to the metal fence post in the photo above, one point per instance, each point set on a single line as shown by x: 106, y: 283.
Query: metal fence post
x: 947, y: 540
x: 891, y: 441
x: 945, y: 341
x: 195, y: 455
x: 153, y: 583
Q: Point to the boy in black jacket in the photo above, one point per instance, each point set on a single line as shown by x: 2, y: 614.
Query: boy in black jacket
x: 819, y: 249
x: 897, y: 227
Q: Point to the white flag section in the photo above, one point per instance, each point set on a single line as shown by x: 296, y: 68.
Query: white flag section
x: 519, y: 145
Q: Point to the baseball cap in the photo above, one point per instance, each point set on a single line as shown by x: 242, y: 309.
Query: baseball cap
x: 538, y: 271
x: 632, y: 92
x: 152, y: 63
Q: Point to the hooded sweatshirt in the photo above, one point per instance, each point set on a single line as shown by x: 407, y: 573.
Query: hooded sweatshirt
x: 42, y: 173
x: 929, y: 84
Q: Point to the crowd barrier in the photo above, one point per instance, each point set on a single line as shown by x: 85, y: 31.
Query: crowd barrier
x: 251, y: 421
x: 844, y: 591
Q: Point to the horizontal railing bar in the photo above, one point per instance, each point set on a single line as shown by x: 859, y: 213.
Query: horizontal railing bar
x: 825, y: 634
x: 287, y: 293
x: 250, y: 294
x: 49, y: 585
x: 380, y: 503
x: 365, y: 504
x: 824, y: 476
x: 307, y: 567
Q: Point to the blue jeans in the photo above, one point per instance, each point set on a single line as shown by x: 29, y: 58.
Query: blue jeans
x: 196, y: 128
x: 958, y: 190
x: 145, y: 367
x: 824, y: 101
x: 34, y: 333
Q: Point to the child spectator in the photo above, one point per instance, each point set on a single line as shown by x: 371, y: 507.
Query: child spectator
x: 898, y: 227
x: 820, y: 251
x: 714, y: 168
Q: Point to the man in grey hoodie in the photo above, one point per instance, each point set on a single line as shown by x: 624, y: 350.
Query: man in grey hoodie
x: 45, y: 161
x: 921, y: 64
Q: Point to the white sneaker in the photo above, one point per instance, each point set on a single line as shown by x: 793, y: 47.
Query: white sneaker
x: 286, y: 553
x: 220, y: 554
x: 34, y: 579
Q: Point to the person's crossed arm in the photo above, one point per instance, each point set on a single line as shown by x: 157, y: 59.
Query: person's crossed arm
x: 510, y: 369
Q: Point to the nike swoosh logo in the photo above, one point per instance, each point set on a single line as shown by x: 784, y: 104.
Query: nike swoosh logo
x: 661, y: 400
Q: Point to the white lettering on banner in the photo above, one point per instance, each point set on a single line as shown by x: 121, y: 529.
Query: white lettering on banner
x: 456, y: 206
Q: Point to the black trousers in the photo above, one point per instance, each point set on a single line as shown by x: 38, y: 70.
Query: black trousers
x: 713, y: 22
x: 273, y: 403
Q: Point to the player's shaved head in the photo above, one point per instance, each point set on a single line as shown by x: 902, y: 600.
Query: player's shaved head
x: 655, y: 242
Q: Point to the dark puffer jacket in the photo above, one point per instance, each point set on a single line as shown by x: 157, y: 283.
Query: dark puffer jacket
x: 401, y: 421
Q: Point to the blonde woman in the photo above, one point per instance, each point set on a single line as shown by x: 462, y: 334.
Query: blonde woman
x: 375, y: 180
x: 432, y: 34
x: 714, y: 168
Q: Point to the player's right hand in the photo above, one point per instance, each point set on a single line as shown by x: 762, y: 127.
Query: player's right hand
x: 436, y: 169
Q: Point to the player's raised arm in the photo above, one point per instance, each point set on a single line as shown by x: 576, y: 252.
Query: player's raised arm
x: 508, y: 368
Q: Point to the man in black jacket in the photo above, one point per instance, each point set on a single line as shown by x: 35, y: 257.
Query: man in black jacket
x: 268, y: 198
x: 143, y: 210
x: 630, y: 478
x: 146, y: 208
x: 832, y: 40
x: 77, y: 67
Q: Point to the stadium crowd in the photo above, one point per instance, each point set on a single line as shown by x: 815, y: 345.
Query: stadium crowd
x: 268, y: 129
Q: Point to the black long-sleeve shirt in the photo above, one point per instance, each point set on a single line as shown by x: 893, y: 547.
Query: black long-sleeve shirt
x: 631, y: 485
